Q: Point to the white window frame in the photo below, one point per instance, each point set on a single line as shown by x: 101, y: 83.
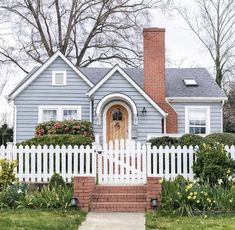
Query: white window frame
x: 54, y: 72
x: 199, y: 108
x: 60, y: 109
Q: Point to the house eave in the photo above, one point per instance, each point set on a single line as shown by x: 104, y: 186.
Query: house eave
x: 196, y: 99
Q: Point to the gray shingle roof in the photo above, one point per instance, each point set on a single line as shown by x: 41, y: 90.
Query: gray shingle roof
x: 175, y: 86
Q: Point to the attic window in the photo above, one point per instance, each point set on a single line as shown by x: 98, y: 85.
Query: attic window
x: 59, y: 78
x: 190, y: 82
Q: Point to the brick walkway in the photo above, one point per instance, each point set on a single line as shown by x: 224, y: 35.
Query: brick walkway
x: 114, y: 221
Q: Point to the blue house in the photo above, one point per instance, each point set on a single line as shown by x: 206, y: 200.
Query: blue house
x: 129, y: 103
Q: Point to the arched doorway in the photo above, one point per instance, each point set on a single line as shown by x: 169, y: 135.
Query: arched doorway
x: 116, y: 123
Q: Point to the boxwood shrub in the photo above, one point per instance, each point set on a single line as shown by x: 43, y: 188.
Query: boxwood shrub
x: 58, y: 139
x: 73, y: 127
x: 223, y: 138
x: 166, y: 140
x: 190, y: 139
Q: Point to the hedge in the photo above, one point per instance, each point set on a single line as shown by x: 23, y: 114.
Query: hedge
x: 73, y: 127
x: 193, y: 139
x: 58, y: 139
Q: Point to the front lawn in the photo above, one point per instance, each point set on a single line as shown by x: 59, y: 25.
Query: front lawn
x: 43, y: 219
x: 169, y: 222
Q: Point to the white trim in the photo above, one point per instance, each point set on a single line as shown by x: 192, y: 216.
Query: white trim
x: 43, y: 67
x: 15, y: 124
x: 222, y: 118
x: 196, y: 99
x: 54, y: 72
x: 141, y: 91
x: 116, y: 96
x: 129, y: 118
x: 208, y: 115
x: 59, y: 109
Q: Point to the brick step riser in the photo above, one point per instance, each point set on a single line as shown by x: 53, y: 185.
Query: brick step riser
x: 121, y: 207
x: 117, y: 210
x: 120, y: 190
x: 118, y: 198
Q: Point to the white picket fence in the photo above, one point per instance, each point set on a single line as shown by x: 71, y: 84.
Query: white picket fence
x: 121, y: 162
x: 38, y: 164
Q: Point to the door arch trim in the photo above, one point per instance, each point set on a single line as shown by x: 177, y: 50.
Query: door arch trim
x: 105, y: 117
x: 116, y: 97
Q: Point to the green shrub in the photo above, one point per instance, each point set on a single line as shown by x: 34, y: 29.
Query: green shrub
x: 55, y: 197
x: 63, y: 139
x: 166, y: 140
x: 7, y: 175
x: 223, y: 138
x: 12, y: 195
x: 56, y: 180
x: 213, y: 165
x: 73, y: 127
x: 6, y: 134
x: 190, y: 139
x: 185, y: 198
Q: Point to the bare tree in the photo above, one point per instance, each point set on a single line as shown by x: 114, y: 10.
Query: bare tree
x: 86, y: 31
x: 4, y: 77
x: 213, y: 22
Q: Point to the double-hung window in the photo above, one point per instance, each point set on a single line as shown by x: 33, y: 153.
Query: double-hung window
x: 197, y: 119
x: 58, y: 113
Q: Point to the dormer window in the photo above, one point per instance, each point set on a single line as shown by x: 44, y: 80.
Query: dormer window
x: 59, y: 78
x: 190, y: 82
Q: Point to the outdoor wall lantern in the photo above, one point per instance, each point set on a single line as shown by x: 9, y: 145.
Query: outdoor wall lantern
x: 144, y: 111
x: 74, y: 202
x: 154, y: 203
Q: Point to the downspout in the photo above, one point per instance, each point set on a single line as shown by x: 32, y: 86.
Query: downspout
x: 222, y: 116
x: 165, y: 124
x: 91, y: 109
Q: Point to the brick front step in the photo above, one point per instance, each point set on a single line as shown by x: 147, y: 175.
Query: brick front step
x: 119, y: 197
x: 118, y: 206
x: 120, y: 189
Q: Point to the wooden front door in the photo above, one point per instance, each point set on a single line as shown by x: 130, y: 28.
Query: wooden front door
x: 116, y: 123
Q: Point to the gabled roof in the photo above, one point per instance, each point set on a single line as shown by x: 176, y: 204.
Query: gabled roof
x: 35, y: 72
x: 175, y: 87
x: 117, y: 68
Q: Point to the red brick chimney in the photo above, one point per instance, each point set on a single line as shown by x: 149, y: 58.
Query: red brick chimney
x: 154, y: 73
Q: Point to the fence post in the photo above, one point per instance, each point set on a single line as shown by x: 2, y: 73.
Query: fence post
x: 148, y: 159
x: 93, y: 159
x: 99, y: 164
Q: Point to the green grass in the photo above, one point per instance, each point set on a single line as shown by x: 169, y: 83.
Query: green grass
x: 33, y: 219
x: 161, y: 221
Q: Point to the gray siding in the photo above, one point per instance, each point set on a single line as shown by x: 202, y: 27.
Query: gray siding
x: 151, y: 123
x: 41, y: 92
x: 215, y: 115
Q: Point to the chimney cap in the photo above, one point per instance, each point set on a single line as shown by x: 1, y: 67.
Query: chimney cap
x: 154, y: 29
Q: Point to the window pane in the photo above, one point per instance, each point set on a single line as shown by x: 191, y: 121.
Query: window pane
x: 197, y: 121
x: 59, y: 78
x: 70, y: 114
x: 117, y: 115
x: 197, y: 115
x: 49, y: 115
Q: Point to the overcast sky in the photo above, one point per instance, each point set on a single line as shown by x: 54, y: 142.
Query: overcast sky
x: 183, y: 49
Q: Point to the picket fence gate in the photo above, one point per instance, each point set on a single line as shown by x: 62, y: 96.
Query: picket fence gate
x: 119, y: 162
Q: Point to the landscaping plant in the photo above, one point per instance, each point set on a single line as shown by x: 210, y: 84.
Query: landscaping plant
x: 213, y: 165
x: 7, y: 175
x: 58, y: 139
x: 72, y: 127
